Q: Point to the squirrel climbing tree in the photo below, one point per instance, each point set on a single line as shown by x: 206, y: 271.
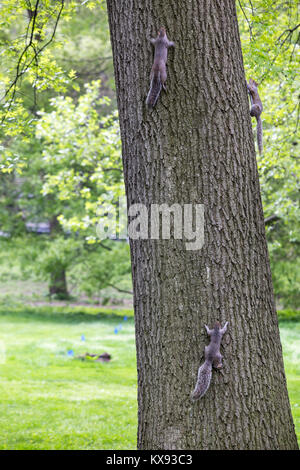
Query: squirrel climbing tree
x: 213, y: 358
x: 256, y: 110
x: 159, y: 68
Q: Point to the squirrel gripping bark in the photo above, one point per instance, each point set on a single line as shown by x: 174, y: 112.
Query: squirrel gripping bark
x: 159, y: 69
x: 213, y: 358
x: 256, y: 110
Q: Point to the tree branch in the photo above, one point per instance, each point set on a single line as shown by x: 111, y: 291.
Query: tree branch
x: 289, y: 32
x: 21, y: 70
x: 272, y: 218
x: 247, y: 20
x: 124, y: 291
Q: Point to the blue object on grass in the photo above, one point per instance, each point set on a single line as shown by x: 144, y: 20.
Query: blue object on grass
x: 125, y: 318
x: 116, y: 330
x: 82, y: 338
x: 70, y: 352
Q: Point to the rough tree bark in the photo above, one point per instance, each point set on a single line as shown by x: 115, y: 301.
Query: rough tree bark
x: 197, y: 146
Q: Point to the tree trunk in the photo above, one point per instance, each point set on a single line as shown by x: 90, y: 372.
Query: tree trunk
x: 58, y: 284
x: 58, y: 280
x: 197, y: 146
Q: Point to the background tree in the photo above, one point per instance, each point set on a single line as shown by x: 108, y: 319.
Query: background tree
x: 197, y: 147
x: 74, y: 165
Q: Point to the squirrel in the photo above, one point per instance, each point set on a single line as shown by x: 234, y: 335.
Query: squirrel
x: 159, y: 70
x: 213, y: 358
x: 256, y: 110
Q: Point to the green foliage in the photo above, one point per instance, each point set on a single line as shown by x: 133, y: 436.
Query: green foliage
x: 71, y: 167
x: 284, y: 256
x: 289, y: 315
x: 59, y: 154
x: 270, y: 36
x: 270, y: 41
x: 81, y: 155
x: 26, y: 31
x: 95, y: 273
x: 10, y: 268
x: 42, y: 51
x: 74, y: 314
x: 57, y: 254
x: 103, y: 268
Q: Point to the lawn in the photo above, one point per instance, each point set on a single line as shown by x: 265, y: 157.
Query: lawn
x: 290, y: 339
x: 52, y: 400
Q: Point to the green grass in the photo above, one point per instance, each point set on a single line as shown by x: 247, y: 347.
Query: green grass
x: 52, y: 401
x: 290, y: 339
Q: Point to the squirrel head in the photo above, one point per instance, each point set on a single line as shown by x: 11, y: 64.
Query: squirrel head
x: 161, y: 32
x: 218, y: 327
x: 252, y: 83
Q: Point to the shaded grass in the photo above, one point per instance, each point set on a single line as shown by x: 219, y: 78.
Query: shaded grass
x: 67, y: 314
x: 35, y: 291
x: 50, y: 400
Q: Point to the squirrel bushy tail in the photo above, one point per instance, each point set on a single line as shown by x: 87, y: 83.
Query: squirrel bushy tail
x: 203, y: 382
x: 259, y: 132
x: 213, y: 357
x: 155, y: 89
x: 255, y: 111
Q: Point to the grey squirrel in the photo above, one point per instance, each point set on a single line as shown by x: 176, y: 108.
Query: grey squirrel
x: 159, y: 69
x: 213, y: 358
x: 256, y: 110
